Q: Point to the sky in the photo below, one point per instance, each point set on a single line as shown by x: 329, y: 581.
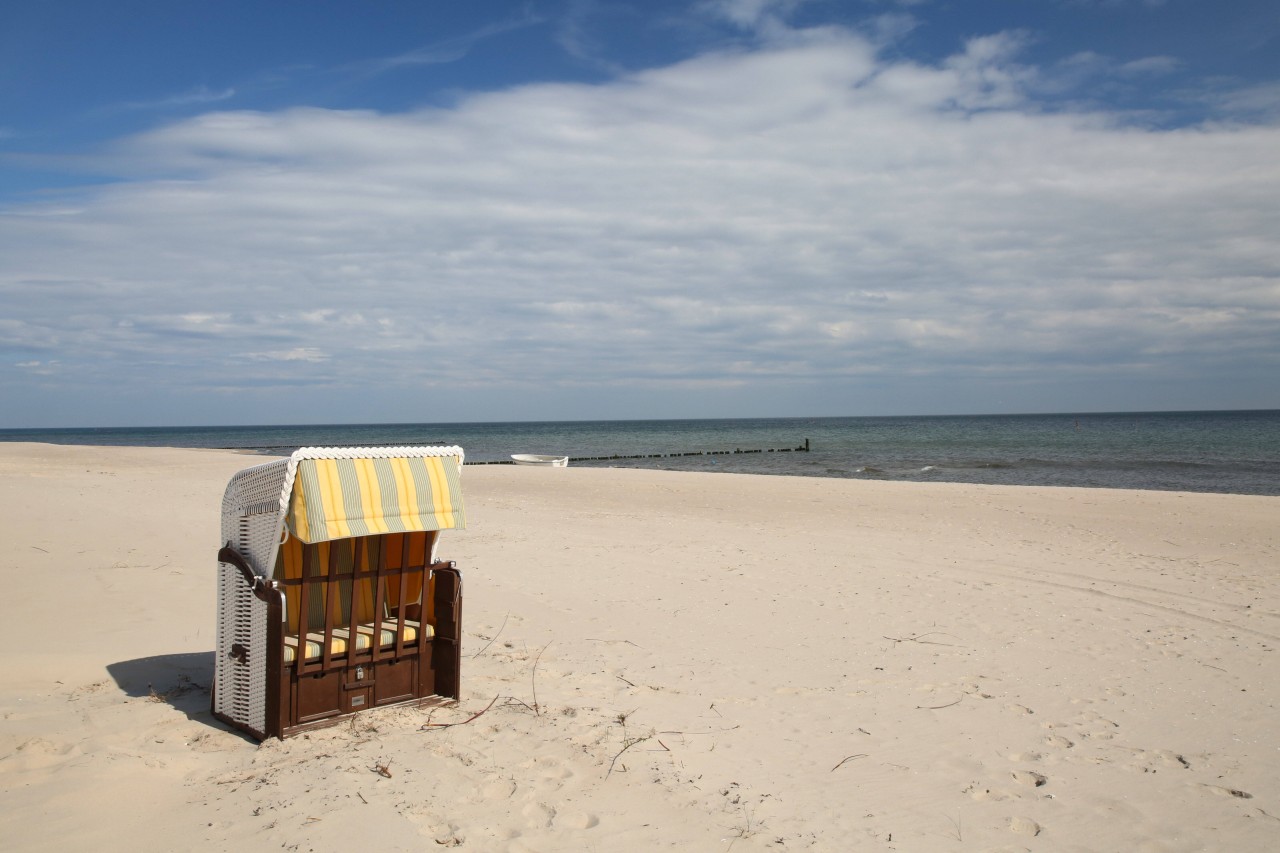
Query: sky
x: 361, y: 212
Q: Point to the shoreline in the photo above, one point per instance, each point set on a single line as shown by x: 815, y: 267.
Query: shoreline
x: 1230, y: 452
x: 261, y: 457
x: 756, y: 662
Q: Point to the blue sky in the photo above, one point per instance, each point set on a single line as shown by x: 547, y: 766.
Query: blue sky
x: 244, y: 212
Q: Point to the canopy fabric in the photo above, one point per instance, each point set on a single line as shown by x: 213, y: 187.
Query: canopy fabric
x: 341, y: 498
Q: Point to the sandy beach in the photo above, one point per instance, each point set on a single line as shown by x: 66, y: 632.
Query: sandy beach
x: 679, y: 661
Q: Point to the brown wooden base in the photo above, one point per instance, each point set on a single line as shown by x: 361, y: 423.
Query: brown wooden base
x: 308, y: 697
x: 424, y: 702
x: 309, y: 694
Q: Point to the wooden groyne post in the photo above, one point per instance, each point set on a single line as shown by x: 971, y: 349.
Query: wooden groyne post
x: 619, y: 457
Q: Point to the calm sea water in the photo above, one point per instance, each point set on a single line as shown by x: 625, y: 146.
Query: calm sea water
x: 1233, y: 452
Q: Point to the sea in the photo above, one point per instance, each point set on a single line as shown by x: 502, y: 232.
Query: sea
x: 1235, y: 452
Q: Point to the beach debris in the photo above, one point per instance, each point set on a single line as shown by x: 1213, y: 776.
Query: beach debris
x: 382, y: 769
x: 917, y: 639
x: 626, y: 744
x: 533, y: 678
x: 939, y: 707
x: 848, y: 758
x: 494, y: 637
x: 428, y: 725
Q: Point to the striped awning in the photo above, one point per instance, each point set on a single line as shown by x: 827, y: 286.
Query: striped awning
x: 341, y: 498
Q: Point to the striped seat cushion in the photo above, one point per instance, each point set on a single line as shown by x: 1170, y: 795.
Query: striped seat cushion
x: 364, y: 638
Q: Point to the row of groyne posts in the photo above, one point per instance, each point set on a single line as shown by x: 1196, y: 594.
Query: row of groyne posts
x: 617, y: 456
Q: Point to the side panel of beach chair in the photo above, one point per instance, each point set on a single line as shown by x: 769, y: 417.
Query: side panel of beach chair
x: 251, y: 523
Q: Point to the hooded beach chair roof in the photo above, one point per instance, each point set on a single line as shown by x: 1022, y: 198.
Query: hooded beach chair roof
x: 367, y: 491
x: 320, y: 494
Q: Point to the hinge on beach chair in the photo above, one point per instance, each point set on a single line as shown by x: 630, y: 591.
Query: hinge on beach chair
x: 231, y: 557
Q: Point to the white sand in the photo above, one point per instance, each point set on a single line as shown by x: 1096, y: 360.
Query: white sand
x: 731, y: 662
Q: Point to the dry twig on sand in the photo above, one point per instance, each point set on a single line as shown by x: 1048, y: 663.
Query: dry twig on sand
x: 428, y: 725
x: 534, y: 679
x: 627, y: 745
x: 494, y: 637
x: 916, y: 639
x: 848, y: 758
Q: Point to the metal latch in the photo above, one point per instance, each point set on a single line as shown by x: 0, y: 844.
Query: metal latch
x: 359, y: 673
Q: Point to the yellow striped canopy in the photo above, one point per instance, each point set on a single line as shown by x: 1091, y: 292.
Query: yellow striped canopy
x: 341, y: 498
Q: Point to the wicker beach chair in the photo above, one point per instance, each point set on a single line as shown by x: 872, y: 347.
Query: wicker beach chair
x: 331, y: 599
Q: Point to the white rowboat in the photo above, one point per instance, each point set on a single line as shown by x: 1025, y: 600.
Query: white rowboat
x: 540, y: 459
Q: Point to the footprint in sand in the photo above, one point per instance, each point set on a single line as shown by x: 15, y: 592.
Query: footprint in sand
x: 1169, y: 758
x: 1030, y: 779
x: 1019, y: 709
x: 989, y: 795
x: 1024, y: 826
x: 498, y: 789
x: 550, y: 767
x: 38, y: 753
x: 1228, y: 792
x: 578, y: 820
x: 445, y: 834
x: 1059, y: 741
x: 539, y: 815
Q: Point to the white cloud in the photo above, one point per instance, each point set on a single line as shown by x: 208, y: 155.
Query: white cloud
x: 1258, y: 101
x: 199, y: 96
x: 751, y: 13
x: 296, y: 354
x: 447, y: 50
x: 802, y: 212
x: 38, y: 368
x: 1151, y: 66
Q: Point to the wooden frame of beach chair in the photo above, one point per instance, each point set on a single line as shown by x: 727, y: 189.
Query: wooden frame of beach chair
x: 331, y: 599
